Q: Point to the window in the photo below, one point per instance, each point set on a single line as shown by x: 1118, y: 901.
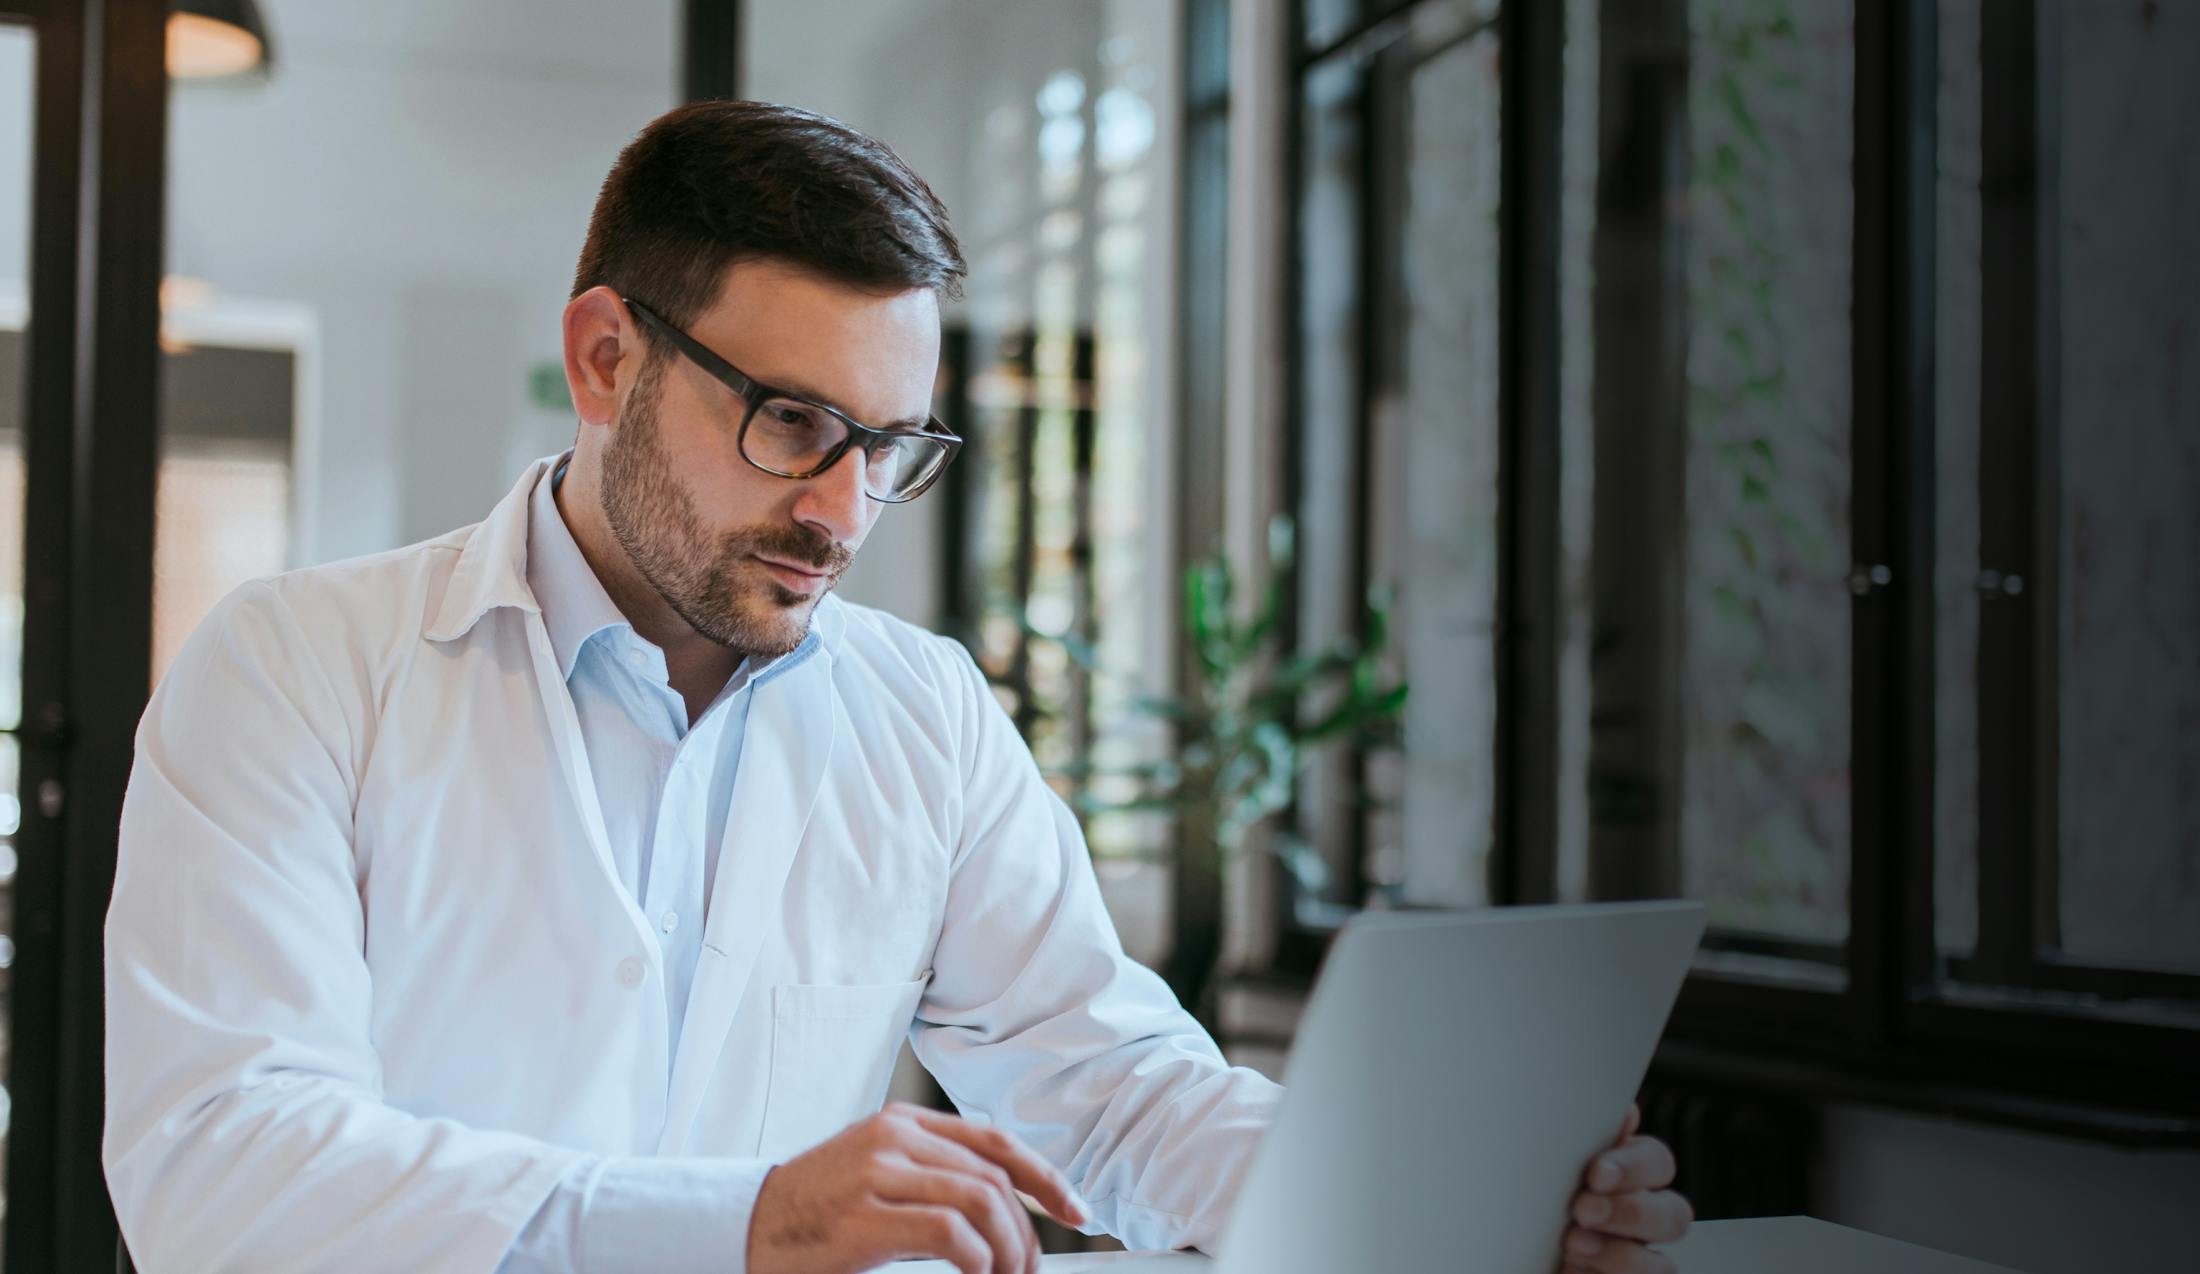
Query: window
x: 232, y: 416
x: 1923, y: 756
x: 1773, y: 416
x: 1396, y: 480
x: 1765, y: 461
x: 2070, y: 683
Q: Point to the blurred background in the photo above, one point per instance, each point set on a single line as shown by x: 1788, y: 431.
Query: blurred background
x: 1762, y: 437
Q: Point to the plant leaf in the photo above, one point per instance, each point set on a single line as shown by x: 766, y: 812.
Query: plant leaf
x: 1173, y: 709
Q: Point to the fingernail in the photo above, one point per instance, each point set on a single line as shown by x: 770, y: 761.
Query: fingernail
x: 1593, y: 1210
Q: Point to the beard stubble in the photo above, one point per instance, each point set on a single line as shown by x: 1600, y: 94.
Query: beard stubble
x: 708, y: 581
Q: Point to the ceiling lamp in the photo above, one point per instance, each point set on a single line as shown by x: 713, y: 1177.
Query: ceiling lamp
x: 212, y: 38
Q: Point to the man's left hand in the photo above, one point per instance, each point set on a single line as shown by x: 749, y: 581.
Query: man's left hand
x: 1625, y: 1205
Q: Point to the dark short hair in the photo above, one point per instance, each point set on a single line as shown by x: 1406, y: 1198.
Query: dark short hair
x: 711, y: 184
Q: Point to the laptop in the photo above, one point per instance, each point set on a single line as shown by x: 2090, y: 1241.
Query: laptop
x: 1453, y: 1075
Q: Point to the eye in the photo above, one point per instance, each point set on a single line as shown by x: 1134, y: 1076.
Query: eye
x: 790, y: 416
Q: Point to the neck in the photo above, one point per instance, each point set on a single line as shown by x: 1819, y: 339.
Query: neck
x: 697, y: 666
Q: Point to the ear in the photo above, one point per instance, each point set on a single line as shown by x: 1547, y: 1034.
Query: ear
x: 603, y: 354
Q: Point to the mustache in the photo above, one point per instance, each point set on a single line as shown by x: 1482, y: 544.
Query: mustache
x: 800, y: 545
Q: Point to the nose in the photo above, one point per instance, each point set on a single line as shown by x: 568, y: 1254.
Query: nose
x: 834, y: 502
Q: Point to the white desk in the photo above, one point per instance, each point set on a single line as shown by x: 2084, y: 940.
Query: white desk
x: 1804, y: 1245
x: 1780, y: 1245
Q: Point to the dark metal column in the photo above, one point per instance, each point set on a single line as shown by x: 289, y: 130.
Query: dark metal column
x: 92, y: 452
x: 711, y: 50
x: 50, y: 348
x: 1525, y: 868
x: 1640, y: 402
x: 2016, y: 808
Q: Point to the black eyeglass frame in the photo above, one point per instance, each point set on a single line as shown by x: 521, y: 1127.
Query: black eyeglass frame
x: 755, y: 393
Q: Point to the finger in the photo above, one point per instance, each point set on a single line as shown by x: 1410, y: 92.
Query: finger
x: 1026, y: 1171
x: 1601, y: 1255
x: 939, y: 1152
x: 1639, y: 1163
x: 915, y: 1231
x: 988, y: 1204
x: 1652, y: 1216
x: 1629, y: 1126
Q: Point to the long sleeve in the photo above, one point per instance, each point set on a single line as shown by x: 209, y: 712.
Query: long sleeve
x: 650, y: 1216
x: 246, y: 1124
x: 1038, y: 1021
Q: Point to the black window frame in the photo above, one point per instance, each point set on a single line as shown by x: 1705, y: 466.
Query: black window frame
x: 1896, y: 1027
x: 1986, y: 1042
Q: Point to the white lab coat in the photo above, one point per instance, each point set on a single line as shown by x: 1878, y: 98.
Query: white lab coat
x: 373, y: 985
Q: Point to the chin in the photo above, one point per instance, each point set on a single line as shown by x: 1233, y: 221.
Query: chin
x: 774, y: 623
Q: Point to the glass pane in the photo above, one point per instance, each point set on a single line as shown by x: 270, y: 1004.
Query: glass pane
x: 1399, y: 442
x: 1765, y: 665
x: 2127, y: 532
x: 1207, y: 52
x: 369, y: 250
x: 1434, y: 493
x: 1332, y: 292
x: 1577, y: 439
x: 17, y: 47
x: 1956, y: 459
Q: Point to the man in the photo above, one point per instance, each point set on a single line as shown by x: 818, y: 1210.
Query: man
x: 555, y: 895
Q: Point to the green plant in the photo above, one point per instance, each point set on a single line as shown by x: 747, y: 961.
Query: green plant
x: 1244, y: 728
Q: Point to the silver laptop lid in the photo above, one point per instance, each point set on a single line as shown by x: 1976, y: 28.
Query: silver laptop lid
x: 1452, y: 1076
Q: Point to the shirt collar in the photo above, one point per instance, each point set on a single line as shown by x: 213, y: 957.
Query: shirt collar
x: 575, y: 606
x: 492, y: 572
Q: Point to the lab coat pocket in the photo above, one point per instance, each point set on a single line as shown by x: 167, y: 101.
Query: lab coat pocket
x: 833, y: 1050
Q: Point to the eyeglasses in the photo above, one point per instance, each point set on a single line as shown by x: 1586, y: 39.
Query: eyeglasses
x: 789, y: 436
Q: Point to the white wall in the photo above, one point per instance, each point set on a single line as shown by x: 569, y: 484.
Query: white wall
x: 420, y: 175
x: 2043, y: 1205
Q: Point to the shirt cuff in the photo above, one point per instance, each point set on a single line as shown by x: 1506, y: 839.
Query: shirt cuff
x: 650, y: 1216
x: 670, y: 1216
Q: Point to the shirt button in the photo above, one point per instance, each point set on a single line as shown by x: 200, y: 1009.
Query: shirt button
x: 631, y: 972
x: 670, y: 922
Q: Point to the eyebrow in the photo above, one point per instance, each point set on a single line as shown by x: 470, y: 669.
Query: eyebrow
x: 803, y: 391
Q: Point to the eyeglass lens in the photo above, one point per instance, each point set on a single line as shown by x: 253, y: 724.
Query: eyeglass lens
x: 792, y: 437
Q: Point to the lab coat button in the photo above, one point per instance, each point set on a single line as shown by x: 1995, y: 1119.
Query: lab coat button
x: 631, y: 972
x: 670, y: 922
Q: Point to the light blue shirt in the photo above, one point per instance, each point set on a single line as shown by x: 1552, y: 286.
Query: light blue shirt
x: 664, y: 786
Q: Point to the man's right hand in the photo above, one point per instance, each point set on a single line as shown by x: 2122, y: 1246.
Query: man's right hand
x: 907, y: 1182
